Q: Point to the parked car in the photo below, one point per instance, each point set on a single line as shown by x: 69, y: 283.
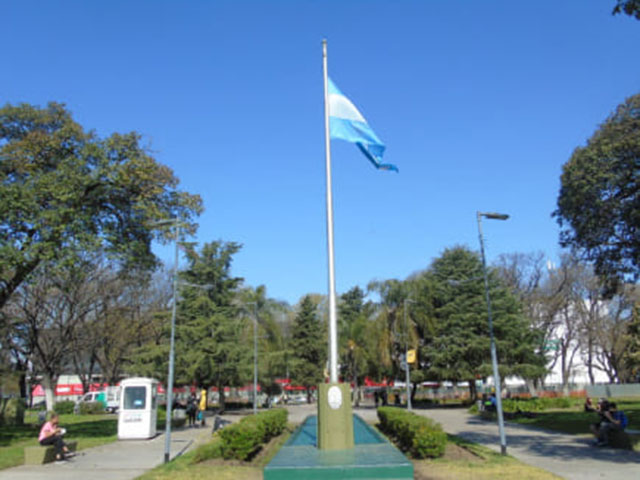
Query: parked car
x: 109, y: 397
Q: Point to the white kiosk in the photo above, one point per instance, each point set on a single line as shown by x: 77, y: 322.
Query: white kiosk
x: 138, y: 408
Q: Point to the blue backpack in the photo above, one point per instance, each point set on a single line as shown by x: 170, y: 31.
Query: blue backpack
x: 624, y: 421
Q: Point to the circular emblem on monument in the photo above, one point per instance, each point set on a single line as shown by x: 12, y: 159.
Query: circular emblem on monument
x: 335, y: 397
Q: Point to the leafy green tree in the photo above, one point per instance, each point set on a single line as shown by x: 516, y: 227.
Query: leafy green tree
x: 388, y: 324
x: 460, y: 349
x: 64, y: 190
x: 211, y: 343
x: 271, y: 341
x: 599, y: 202
x: 630, y: 7
x: 632, y: 355
x: 309, y: 350
x: 353, y: 327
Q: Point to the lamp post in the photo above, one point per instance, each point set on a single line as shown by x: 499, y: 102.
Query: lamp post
x: 167, y: 441
x: 406, y: 353
x: 494, y: 356
x: 255, y: 356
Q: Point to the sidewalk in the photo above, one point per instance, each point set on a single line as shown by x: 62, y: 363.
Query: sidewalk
x: 120, y: 460
x: 568, y: 456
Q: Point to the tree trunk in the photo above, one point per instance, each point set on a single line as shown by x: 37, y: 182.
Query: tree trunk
x: 590, y: 361
x: 221, y: 399
x: 49, y: 384
x: 473, y: 391
x: 531, y: 386
x: 414, y: 389
x: 23, y: 385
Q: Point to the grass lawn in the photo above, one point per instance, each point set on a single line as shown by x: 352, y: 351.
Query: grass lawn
x: 87, y: 430
x: 576, y: 420
x: 465, y: 460
x: 462, y: 460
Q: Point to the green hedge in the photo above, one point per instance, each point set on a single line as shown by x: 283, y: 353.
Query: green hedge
x: 419, y: 436
x: 12, y: 411
x: 512, y: 405
x: 64, y: 407
x: 90, y: 408
x: 242, y: 440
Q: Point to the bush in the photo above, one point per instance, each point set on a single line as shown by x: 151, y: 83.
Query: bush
x: 12, y: 411
x: 91, y: 408
x: 64, y: 407
x: 512, y: 405
x: 419, y: 436
x: 210, y: 450
x: 242, y: 440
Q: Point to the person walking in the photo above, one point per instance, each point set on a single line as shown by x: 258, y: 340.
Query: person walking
x: 203, y: 406
x: 192, y: 409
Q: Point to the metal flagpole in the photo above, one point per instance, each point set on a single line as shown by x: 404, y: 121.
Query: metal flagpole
x: 333, y: 323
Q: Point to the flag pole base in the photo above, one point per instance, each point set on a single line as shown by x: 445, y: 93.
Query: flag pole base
x: 335, y: 417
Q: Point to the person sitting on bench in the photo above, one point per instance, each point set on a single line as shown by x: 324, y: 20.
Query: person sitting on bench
x: 614, y: 421
x: 51, y: 434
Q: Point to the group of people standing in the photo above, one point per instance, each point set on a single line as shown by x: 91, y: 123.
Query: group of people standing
x: 196, y: 408
x: 611, y: 420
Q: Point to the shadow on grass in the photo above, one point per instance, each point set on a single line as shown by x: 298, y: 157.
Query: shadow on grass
x: 100, y: 427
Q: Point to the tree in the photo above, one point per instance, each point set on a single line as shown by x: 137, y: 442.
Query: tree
x: 630, y: 7
x: 65, y: 191
x: 271, y: 342
x: 632, y: 354
x: 599, y: 202
x: 460, y: 349
x: 46, y: 315
x: 135, y: 313
x: 524, y: 275
x: 211, y: 345
x: 309, y: 350
x: 353, y: 326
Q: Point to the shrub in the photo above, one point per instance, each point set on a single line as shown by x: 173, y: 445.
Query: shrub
x: 12, y: 411
x: 91, y: 408
x: 419, y: 436
x: 243, y: 439
x: 539, y: 404
x: 208, y: 451
x: 64, y: 407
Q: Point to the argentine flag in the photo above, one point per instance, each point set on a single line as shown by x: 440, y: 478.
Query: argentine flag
x: 347, y: 123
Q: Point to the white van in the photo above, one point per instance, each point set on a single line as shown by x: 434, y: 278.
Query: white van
x: 109, y: 397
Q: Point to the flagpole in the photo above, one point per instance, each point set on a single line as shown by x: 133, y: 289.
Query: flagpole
x: 333, y: 323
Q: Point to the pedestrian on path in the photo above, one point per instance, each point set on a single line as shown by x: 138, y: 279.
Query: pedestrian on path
x: 203, y: 406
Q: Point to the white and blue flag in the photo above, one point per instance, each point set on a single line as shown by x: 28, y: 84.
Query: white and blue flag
x: 347, y: 123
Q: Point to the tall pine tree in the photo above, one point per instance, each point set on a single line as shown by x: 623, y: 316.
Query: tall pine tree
x: 309, y: 349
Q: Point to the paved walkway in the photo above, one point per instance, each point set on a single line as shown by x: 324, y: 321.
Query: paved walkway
x: 120, y: 460
x: 568, y: 456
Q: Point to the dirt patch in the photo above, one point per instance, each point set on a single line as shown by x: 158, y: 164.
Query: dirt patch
x: 455, y: 452
x: 423, y: 469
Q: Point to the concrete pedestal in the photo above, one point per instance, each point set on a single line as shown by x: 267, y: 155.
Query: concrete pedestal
x: 335, y: 419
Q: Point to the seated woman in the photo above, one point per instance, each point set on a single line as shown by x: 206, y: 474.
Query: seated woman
x: 51, y: 434
x: 588, y: 405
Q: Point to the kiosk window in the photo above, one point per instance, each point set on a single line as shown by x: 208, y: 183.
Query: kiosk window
x: 134, y: 398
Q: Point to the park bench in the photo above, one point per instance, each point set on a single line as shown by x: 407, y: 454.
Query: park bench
x: 628, y: 439
x: 37, y: 455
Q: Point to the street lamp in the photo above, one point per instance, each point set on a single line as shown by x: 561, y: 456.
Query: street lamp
x: 255, y: 356
x: 167, y: 442
x: 494, y: 356
x: 406, y: 352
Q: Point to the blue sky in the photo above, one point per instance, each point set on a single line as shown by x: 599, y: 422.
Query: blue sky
x: 480, y: 104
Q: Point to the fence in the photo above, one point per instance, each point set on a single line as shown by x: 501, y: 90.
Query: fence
x: 614, y: 390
